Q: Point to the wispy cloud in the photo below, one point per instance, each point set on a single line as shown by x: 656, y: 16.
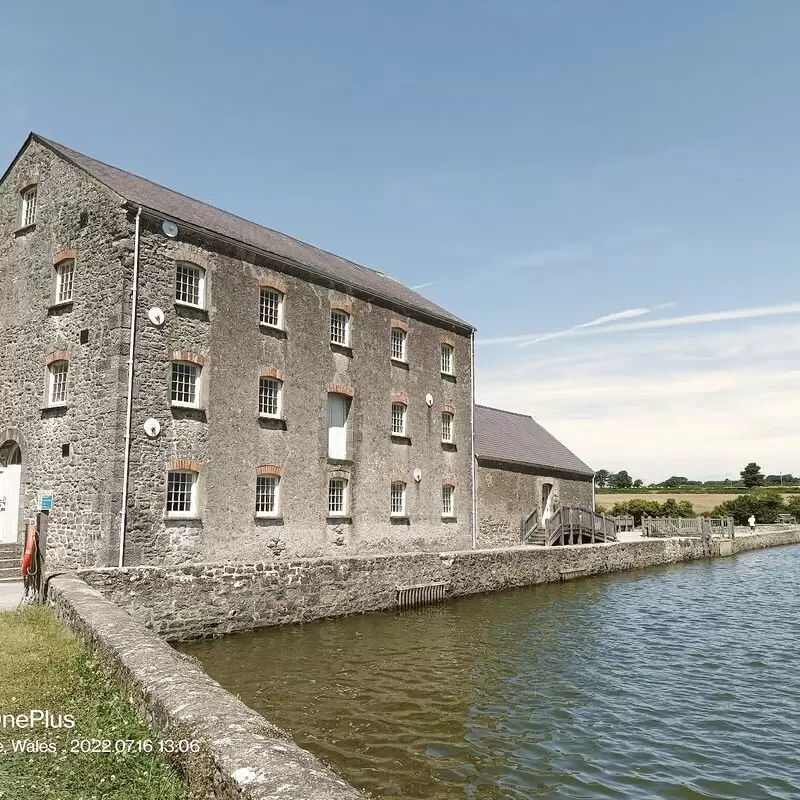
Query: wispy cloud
x: 679, y: 401
x: 676, y: 322
x: 601, y: 326
x: 553, y: 255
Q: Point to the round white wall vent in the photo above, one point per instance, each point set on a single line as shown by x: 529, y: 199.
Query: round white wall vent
x: 429, y: 399
x: 417, y: 474
x: 170, y: 228
x: 152, y: 427
x: 156, y: 316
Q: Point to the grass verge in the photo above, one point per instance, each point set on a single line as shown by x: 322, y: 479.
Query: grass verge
x: 44, y: 667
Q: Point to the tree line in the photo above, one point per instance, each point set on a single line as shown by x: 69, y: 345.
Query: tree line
x: 750, y: 477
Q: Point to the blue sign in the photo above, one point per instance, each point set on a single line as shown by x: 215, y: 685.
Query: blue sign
x: 45, y: 500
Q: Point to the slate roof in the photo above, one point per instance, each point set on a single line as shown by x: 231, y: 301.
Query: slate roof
x: 180, y: 208
x: 511, y: 438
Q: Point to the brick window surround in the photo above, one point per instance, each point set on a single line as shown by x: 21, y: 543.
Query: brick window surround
x: 185, y: 465
x: 269, y: 469
x: 340, y: 388
x: 188, y: 356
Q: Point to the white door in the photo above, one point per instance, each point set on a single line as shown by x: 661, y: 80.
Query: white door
x: 547, y: 501
x: 337, y: 426
x: 9, y: 502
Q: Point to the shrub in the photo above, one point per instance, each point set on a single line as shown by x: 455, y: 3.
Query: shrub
x: 763, y: 504
x: 639, y: 507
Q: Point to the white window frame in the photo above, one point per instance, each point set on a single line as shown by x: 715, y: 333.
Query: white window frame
x: 65, y: 277
x: 54, y: 373
x: 398, y: 489
x: 198, y: 376
x: 344, y: 324
x: 448, y: 495
x: 337, y: 434
x: 192, y: 511
x: 200, y: 275
x: 28, y: 207
x: 450, y: 350
x: 261, y: 495
x: 264, y: 292
x: 400, y: 430
x: 398, y: 335
x: 278, y: 400
x: 448, y: 418
x: 344, y: 511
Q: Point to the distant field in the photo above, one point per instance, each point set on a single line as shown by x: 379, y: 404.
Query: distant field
x: 701, y: 503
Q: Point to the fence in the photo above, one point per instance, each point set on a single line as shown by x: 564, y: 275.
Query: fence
x: 579, y: 526
x: 623, y: 523
x: 529, y: 532
x: 680, y: 526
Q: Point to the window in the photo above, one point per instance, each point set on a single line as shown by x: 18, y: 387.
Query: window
x: 337, y: 497
x: 181, y: 494
x: 447, y: 359
x: 338, y: 406
x: 269, y: 397
x: 57, y: 383
x: 399, y: 419
x: 267, y: 495
x: 65, y: 272
x: 447, y: 427
x: 184, y: 384
x: 448, y: 504
x: 340, y: 328
x: 398, y: 344
x: 189, y: 284
x: 398, y: 500
x: 28, y: 216
x: 271, y: 312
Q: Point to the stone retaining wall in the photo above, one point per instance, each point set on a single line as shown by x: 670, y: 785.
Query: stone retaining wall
x: 242, y: 757
x: 186, y: 602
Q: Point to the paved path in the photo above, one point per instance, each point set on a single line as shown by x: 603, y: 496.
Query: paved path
x: 10, y: 595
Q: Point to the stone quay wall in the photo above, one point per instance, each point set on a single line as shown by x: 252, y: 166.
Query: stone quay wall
x: 191, y: 601
x: 242, y: 755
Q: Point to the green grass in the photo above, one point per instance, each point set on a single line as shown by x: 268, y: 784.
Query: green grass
x: 43, y: 666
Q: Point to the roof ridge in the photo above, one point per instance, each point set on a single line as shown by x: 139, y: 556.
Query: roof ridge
x: 53, y: 143
x: 505, y: 411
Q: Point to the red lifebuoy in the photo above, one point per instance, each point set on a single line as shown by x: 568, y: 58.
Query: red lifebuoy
x: 30, y: 549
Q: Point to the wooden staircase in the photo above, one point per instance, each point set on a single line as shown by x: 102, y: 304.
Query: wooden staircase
x: 530, y: 530
x: 10, y: 557
x: 570, y: 525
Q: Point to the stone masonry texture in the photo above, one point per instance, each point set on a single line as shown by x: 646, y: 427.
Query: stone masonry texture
x: 507, y: 495
x: 73, y: 213
x: 192, y: 601
x: 242, y: 755
x: 225, y: 436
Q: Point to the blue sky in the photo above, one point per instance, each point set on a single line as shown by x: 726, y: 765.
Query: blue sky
x: 533, y: 166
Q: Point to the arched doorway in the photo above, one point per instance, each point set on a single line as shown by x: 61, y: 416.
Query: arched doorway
x: 547, y: 501
x: 10, y: 476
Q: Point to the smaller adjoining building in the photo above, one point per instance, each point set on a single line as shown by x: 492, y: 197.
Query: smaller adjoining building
x: 521, y: 468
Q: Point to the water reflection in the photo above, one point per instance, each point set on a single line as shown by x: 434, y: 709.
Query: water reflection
x: 672, y: 683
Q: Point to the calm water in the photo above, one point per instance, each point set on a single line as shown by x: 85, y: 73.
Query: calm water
x: 679, y: 682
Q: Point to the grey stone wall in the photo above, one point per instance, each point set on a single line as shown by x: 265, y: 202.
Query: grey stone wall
x: 242, y: 756
x: 230, y: 441
x: 191, y: 601
x: 76, y: 213
x: 73, y: 213
x: 506, y: 495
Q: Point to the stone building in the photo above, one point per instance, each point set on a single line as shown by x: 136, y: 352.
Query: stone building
x: 521, y: 468
x: 190, y: 386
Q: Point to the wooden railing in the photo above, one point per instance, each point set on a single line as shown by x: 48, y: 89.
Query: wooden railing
x: 579, y: 526
x: 680, y: 526
x: 529, y: 527
x: 623, y: 523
